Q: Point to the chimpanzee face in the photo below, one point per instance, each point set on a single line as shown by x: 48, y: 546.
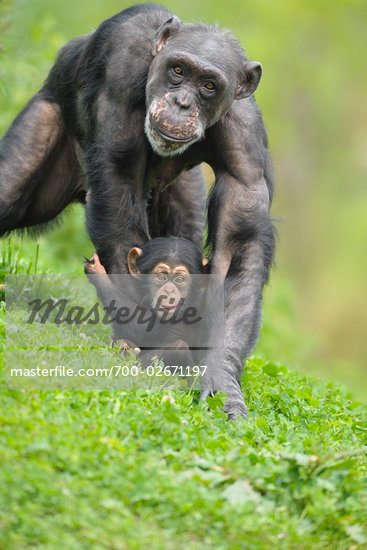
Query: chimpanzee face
x: 186, y: 96
x: 169, y: 286
x: 167, y: 265
x: 192, y: 82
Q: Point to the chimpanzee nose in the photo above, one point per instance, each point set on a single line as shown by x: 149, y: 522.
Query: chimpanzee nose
x: 169, y: 288
x: 183, y: 100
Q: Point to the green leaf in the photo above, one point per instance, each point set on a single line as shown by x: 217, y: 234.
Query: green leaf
x: 302, y: 459
x: 261, y: 423
x: 240, y: 492
x: 271, y: 370
x: 356, y: 533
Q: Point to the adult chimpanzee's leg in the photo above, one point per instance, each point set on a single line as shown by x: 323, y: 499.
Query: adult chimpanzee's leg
x: 39, y: 173
x: 241, y: 232
x: 179, y: 209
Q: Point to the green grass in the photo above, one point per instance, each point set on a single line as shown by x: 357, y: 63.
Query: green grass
x: 103, y: 470
x: 135, y: 470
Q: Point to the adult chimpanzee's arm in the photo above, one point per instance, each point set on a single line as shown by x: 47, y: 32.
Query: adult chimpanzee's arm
x: 242, y: 239
x: 116, y: 161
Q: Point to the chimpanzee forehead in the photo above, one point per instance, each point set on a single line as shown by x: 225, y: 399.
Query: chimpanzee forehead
x: 164, y: 267
x: 210, y: 50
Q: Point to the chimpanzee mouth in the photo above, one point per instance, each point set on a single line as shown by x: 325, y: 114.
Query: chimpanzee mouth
x: 167, y: 137
x: 167, y: 309
x: 165, y: 145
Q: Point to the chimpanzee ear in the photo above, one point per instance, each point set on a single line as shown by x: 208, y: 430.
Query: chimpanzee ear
x: 131, y: 260
x: 205, y: 265
x: 164, y: 32
x: 250, y: 78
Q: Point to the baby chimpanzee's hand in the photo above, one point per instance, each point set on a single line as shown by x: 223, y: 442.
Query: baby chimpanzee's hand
x: 94, y: 266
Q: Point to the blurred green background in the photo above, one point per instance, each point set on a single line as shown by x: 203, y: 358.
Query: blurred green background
x: 313, y: 97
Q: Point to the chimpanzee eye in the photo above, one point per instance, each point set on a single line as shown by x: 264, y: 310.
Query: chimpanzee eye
x: 180, y: 279
x: 161, y: 277
x: 175, y: 75
x: 209, y: 86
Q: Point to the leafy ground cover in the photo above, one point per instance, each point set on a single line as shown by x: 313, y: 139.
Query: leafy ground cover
x: 133, y: 470
x: 103, y: 470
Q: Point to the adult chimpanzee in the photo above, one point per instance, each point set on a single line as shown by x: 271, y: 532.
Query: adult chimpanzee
x: 129, y: 112
x: 163, y: 285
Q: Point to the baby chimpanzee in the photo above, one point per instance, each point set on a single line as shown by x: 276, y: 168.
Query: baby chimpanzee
x: 162, y: 270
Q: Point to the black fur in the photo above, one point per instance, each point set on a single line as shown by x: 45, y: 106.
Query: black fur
x: 88, y: 129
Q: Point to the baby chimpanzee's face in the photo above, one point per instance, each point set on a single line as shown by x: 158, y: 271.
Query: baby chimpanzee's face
x: 169, y: 285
